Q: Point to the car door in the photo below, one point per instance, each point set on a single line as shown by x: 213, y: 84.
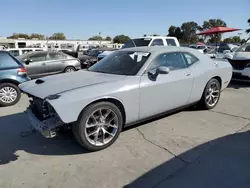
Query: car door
x: 167, y: 91
x: 36, y: 66
x: 56, y: 62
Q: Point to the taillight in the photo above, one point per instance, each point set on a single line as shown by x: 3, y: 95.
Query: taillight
x: 21, y: 70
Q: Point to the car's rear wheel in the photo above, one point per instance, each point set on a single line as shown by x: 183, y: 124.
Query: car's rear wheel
x: 99, y: 126
x: 211, y: 94
x: 10, y: 94
x: 69, y: 69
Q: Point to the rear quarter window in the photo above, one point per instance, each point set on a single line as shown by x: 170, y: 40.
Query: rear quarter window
x: 190, y: 58
x: 171, y: 42
x: 6, y: 61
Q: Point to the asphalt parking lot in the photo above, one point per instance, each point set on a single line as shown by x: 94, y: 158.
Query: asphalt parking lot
x: 190, y: 148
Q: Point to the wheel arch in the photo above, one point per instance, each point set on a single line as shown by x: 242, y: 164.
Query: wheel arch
x: 69, y: 66
x: 113, y: 100
x: 217, y: 78
x: 9, y: 81
x: 214, y: 77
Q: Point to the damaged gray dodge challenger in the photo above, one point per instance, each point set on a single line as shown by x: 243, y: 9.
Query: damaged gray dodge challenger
x: 128, y: 86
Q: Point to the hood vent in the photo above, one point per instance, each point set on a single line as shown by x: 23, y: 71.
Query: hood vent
x: 38, y: 81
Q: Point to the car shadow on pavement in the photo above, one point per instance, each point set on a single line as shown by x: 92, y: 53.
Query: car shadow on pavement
x: 225, y: 163
x: 235, y: 84
x: 16, y: 135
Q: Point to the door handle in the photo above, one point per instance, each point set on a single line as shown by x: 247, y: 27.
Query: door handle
x: 188, y: 74
x: 43, y: 64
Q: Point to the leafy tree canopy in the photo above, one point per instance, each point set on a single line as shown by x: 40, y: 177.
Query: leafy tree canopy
x: 120, y: 39
x: 57, y: 36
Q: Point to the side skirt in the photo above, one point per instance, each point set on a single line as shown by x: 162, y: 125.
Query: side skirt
x: 161, y: 115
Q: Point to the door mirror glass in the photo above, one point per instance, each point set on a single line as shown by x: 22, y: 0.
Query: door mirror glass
x: 162, y: 70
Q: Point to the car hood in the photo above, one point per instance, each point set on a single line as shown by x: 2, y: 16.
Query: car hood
x: 61, y: 83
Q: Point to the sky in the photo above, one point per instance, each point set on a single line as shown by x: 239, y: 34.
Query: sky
x: 81, y: 19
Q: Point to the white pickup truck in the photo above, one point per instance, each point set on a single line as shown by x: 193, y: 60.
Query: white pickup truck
x: 145, y: 41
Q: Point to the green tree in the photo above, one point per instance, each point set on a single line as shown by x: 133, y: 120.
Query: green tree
x: 57, y: 36
x: 108, y: 38
x: 228, y: 40
x: 189, y: 31
x: 96, y: 37
x: 236, y: 39
x: 18, y: 35
x: 178, y: 34
x: 36, y: 35
x: 120, y: 39
x: 210, y: 24
x: 248, y: 30
x: 171, y: 31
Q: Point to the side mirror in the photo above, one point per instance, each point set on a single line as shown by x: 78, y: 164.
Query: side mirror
x: 162, y: 70
x: 27, y: 61
x: 159, y: 70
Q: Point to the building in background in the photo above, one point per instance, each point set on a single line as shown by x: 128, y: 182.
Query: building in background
x: 78, y: 45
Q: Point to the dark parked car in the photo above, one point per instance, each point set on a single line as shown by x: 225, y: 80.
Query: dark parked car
x: 68, y: 52
x: 40, y: 64
x: 91, y: 58
x: 12, y: 73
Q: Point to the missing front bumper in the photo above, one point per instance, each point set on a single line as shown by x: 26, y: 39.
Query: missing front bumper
x: 48, y: 127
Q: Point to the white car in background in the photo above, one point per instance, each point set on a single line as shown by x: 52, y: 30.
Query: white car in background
x: 200, y: 48
x: 145, y: 41
x: 19, y: 51
x: 241, y: 62
x: 228, y: 54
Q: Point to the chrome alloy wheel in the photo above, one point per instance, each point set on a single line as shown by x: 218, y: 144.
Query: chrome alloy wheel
x: 8, y: 95
x: 101, y: 126
x: 213, y: 94
x: 70, y: 70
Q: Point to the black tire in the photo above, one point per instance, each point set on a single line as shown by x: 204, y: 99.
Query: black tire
x: 69, y: 69
x: 10, y: 85
x: 79, y: 127
x: 203, y: 104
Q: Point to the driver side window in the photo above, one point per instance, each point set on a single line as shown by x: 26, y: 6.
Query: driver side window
x: 38, y: 57
x: 173, y: 61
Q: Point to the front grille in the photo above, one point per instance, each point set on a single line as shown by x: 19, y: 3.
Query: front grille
x: 239, y: 64
x: 40, y: 108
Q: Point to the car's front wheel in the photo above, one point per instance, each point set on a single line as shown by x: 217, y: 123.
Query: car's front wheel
x: 10, y: 94
x: 211, y: 94
x: 69, y: 69
x: 98, y: 126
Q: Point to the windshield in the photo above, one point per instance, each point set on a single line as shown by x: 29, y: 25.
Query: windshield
x: 137, y: 42
x: 234, y: 49
x: 244, y: 48
x: 121, y: 62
